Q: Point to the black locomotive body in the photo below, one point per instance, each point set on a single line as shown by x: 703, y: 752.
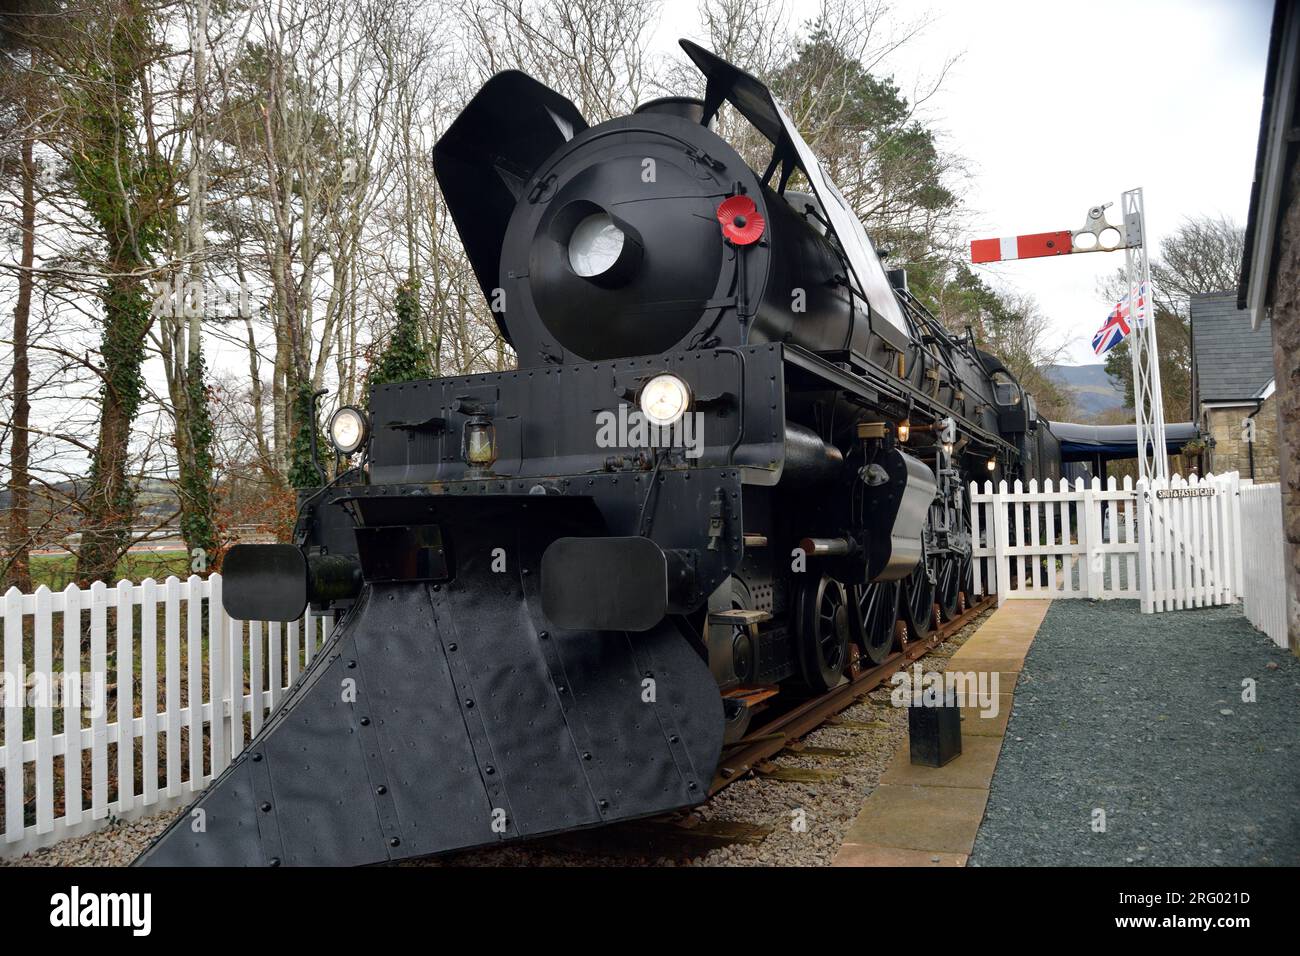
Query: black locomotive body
x: 732, y: 459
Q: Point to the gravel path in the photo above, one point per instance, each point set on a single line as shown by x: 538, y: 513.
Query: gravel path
x: 1142, y: 717
x: 827, y: 808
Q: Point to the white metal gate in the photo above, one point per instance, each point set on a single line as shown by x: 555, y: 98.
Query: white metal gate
x: 1190, y: 541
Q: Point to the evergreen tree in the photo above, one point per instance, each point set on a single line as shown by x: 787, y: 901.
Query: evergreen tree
x: 404, y: 359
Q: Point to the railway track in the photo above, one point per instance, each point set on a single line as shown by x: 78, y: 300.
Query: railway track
x: 778, y: 734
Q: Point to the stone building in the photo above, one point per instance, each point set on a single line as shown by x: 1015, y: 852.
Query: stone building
x: 1233, y: 389
x: 1270, y: 269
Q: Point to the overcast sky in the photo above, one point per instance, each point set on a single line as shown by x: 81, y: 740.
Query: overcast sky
x: 1060, y: 106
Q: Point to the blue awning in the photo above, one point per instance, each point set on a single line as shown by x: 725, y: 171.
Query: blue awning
x: 1086, y: 442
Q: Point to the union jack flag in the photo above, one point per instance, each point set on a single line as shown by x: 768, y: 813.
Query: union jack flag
x: 1116, y: 327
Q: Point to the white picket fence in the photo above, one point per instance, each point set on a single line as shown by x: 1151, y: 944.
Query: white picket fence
x: 1176, y: 545
x: 88, y: 741
x: 1062, y: 540
x: 1263, y: 578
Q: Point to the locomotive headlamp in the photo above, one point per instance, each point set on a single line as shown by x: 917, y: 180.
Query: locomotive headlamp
x: 347, y: 429
x: 595, y: 245
x: 664, y: 399
x: 904, y: 430
x: 480, y: 442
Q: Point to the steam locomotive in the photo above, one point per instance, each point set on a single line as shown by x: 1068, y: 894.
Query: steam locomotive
x: 730, y: 461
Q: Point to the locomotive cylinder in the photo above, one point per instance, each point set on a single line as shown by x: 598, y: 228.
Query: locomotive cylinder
x: 808, y: 459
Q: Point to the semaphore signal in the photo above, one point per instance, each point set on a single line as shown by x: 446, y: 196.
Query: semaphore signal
x: 1098, y: 234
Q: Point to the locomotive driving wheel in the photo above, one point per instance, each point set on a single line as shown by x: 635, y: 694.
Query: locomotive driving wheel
x: 960, y: 575
x: 875, y: 606
x: 823, y: 633
x: 951, y: 572
x: 918, y: 601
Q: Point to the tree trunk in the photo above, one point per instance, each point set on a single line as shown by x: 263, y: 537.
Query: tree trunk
x: 110, y: 499
x: 193, y: 421
x: 19, y: 562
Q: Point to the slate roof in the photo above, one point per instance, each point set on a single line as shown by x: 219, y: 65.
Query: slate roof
x: 1230, y: 361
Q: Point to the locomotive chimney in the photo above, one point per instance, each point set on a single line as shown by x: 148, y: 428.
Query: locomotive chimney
x: 686, y: 107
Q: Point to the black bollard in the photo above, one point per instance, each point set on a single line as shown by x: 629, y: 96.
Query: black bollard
x: 935, y: 731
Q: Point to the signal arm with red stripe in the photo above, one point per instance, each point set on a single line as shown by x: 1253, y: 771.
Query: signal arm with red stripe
x: 1097, y: 235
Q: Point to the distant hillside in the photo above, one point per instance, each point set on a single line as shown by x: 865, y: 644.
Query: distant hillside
x: 156, y: 499
x: 1089, y: 387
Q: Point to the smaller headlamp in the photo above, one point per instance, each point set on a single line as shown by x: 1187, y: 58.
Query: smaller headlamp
x: 664, y: 399
x: 904, y: 430
x: 480, y: 442
x: 347, y: 429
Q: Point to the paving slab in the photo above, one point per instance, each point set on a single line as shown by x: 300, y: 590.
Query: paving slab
x: 934, y: 819
x: 1010, y: 643
x: 973, y: 768
x: 858, y: 854
x: 929, y: 816
x: 989, y: 662
x: 975, y: 723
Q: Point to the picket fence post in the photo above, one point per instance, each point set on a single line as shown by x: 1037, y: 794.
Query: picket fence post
x: 219, y: 753
x: 74, y: 690
x: 12, y: 674
x: 1234, y: 521
x: 1000, y: 564
x: 1092, y: 544
x: 125, y: 696
x: 43, y: 668
x: 149, y: 685
x: 98, y: 714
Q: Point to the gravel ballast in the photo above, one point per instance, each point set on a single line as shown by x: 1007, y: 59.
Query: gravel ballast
x: 1142, y: 718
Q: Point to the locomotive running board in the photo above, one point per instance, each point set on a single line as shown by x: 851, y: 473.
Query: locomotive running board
x: 444, y: 717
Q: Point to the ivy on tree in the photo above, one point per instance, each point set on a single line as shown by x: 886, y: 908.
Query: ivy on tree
x: 302, y: 470
x: 405, y: 359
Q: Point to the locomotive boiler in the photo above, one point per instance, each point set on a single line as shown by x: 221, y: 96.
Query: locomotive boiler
x: 728, y: 468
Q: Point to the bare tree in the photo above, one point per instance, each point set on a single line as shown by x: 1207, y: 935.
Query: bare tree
x: 592, y: 51
x: 118, y: 160
x: 25, y: 90
x: 1202, y: 255
x: 305, y: 102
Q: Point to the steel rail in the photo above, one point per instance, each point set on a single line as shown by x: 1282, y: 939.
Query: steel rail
x: 778, y: 734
